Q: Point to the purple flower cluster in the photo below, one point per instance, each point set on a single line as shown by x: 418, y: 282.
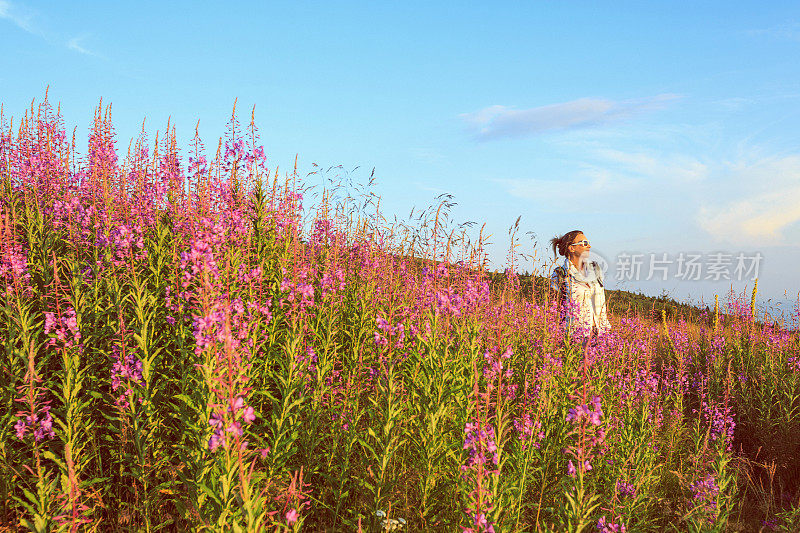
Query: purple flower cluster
x: 593, y: 414
x: 704, y: 493
x: 587, y: 422
x: 640, y: 387
x: 610, y: 526
x: 39, y: 424
x: 200, y: 260
x: 124, y: 243
x: 530, y: 433
x: 551, y: 366
x: 326, y: 233
x: 721, y: 423
x: 84, y: 221
x: 387, y: 332
x: 448, y: 302
x: 625, y: 489
x: 454, y: 300
x: 679, y: 336
x: 481, y: 465
x: 217, y: 326
x: 126, y: 372
x: 222, y: 322
x: 480, y: 443
x: 717, y: 344
x: 494, y: 367
x: 448, y: 291
x: 229, y: 421
x: 481, y: 524
x: 14, y: 266
x: 300, y: 293
x: 64, y: 328
x: 332, y: 282
x: 173, y: 304
x: 306, y: 361
x: 586, y: 466
x: 102, y: 152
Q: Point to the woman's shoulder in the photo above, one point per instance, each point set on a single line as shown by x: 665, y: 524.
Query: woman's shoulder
x: 558, y: 272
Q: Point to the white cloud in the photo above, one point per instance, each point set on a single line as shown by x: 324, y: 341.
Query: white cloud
x: 616, y: 180
x: 590, y: 189
x: 676, y: 168
x: 75, y: 44
x: 23, y: 19
x: 13, y: 14
x: 497, y: 121
x: 757, y: 217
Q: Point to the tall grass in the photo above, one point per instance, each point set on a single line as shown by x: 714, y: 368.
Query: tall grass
x: 186, y: 346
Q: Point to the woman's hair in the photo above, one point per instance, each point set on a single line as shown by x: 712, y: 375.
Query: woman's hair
x: 560, y: 244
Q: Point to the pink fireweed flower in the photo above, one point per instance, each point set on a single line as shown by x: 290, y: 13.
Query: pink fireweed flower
x: 589, y: 435
x: 21, y: 427
x: 291, y: 516
x: 480, y: 467
x: 529, y: 432
x: 306, y: 361
x: 235, y: 428
x: 380, y: 340
x: 230, y: 420
x: 705, y: 492
x: 625, y: 489
x: 39, y: 424
x: 300, y: 295
x: 63, y: 330
x: 332, y: 282
x: 126, y: 373
x: 592, y: 414
x: 605, y: 526
x: 14, y: 266
x: 123, y: 243
x: 215, y: 441
x: 720, y: 418
x: 495, y: 366
x: 382, y: 324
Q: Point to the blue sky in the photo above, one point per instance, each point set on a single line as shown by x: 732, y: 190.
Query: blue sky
x: 655, y: 128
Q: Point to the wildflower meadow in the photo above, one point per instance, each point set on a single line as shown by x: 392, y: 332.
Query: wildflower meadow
x: 189, y: 343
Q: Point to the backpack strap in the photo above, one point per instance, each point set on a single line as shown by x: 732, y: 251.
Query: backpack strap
x: 562, y: 282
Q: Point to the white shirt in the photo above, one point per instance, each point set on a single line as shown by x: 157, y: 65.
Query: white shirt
x: 585, y: 289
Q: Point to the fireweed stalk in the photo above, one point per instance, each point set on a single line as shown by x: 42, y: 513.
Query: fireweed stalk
x: 221, y: 331
x: 481, y: 470
x: 74, y: 423
x: 386, y: 438
x: 34, y: 426
x: 588, y: 438
x: 438, y: 382
x: 28, y: 399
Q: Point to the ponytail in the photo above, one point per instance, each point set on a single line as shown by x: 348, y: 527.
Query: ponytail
x: 561, y: 243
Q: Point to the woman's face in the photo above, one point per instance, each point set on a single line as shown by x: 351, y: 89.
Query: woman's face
x: 577, y: 250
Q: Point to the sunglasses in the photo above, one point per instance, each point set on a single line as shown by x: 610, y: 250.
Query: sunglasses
x: 584, y: 242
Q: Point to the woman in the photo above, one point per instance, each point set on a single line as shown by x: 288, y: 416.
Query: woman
x: 579, y: 285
